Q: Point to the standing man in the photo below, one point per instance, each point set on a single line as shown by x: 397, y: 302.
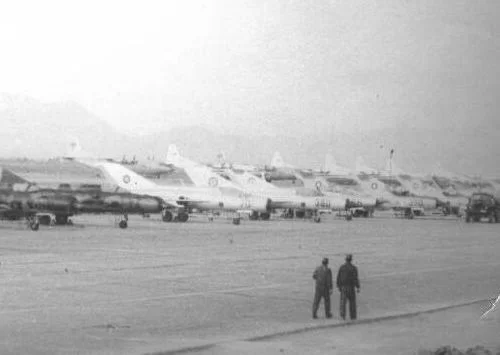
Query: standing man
x: 324, y: 287
x: 347, y: 280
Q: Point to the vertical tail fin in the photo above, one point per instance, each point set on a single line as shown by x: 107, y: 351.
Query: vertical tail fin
x: 277, y: 160
x: 9, y: 180
x: 330, y: 163
x: 125, y: 178
x: 173, y: 155
x: 74, y: 149
x: 199, y: 174
x: 221, y: 160
x: 360, y: 164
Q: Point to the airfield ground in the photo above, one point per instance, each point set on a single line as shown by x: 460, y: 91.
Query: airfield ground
x: 158, y: 288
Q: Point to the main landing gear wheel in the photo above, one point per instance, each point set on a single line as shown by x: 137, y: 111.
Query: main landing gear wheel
x: 61, y: 219
x: 265, y: 216
x: 167, y: 216
x: 254, y: 216
x: 317, y: 219
x: 46, y: 220
x: 123, y: 224
x: 183, y: 217
x: 236, y: 220
x: 300, y: 214
x: 33, y: 224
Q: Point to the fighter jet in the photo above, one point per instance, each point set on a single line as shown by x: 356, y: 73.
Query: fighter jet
x: 147, y: 168
x: 280, y: 198
x: 181, y: 200
x: 456, y: 185
x: 393, y: 191
x: 37, y: 204
x: 424, y: 186
x: 221, y: 163
x: 355, y: 200
x: 277, y: 170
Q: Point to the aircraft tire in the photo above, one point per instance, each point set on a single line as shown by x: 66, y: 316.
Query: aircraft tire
x: 236, y: 221
x: 61, y: 219
x: 123, y: 224
x: 44, y: 220
x: 300, y: 214
x: 167, y: 216
x: 34, y: 226
x: 265, y: 216
x: 183, y: 217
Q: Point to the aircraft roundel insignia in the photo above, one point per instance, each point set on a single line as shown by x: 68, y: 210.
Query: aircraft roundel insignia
x: 213, y: 181
x: 126, y: 179
x: 251, y: 180
x: 374, y: 186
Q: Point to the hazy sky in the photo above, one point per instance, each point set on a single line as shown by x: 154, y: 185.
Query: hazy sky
x: 258, y: 66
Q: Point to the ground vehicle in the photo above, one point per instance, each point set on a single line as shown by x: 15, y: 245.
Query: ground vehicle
x: 482, y: 205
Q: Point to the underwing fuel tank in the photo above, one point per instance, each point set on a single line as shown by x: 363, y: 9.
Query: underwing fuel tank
x: 36, y: 201
x: 52, y: 202
x: 117, y: 203
x: 134, y: 203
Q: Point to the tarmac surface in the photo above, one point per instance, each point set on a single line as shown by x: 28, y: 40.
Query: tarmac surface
x: 159, y: 288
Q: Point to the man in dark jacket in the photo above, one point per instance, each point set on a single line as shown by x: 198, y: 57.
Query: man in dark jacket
x: 324, y: 286
x: 347, y: 280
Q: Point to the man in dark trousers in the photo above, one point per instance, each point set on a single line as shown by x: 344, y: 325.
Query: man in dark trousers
x: 347, y: 280
x: 324, y: 286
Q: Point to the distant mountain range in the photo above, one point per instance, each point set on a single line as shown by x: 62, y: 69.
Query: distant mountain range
x: 37, y: 130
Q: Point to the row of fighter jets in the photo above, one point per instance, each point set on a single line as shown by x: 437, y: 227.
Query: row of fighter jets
x: 238, y: 190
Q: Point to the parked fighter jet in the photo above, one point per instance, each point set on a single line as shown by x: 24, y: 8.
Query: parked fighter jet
x: 280, y: 198
x: 148, y: 168
x: 460, y: 186
x: 37, y: 204
x: 422, y: 186
x: 222, y: 163
x: 387, y: 191
x: 277, y: 170
x: 393, y: 191
x: 182, y: 200
x: 355, y: 200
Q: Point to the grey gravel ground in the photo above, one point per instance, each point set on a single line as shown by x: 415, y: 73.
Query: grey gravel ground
x: 158, y: 287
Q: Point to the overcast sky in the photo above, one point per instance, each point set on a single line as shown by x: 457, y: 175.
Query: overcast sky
x: 258, y: 66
